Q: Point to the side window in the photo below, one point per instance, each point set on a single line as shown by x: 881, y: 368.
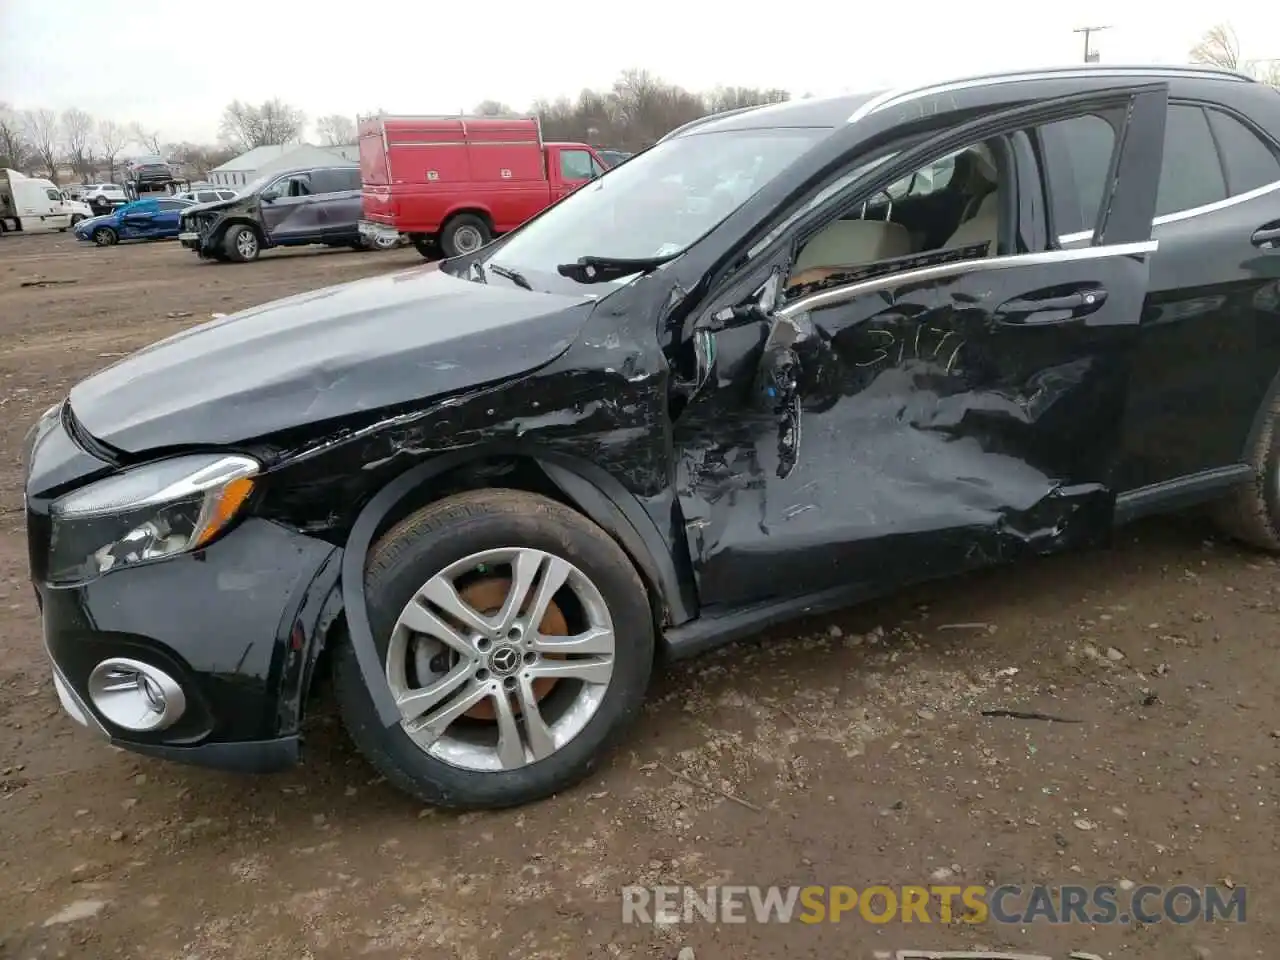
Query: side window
x: 325, y: 181
x: 596, y: 169
x: 948, y: 209
x: 1191, y: 175
x: 1080, y: 152
x: 925, y: 180
x: 53, y: 194
x: 575, y: 165
x: 171, y: 205
x: 206, y: 196
x: 1250, y: 161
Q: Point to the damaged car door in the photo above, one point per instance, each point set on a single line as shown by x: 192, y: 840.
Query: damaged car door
x: 921, y: 385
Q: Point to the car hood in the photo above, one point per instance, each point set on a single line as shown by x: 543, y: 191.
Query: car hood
x: 319, y: 357
x: 212, y: 206
x: 85, y: 225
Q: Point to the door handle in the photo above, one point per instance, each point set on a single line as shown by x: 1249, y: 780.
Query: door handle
x: 1050, y: 308
x: 1266, y: 236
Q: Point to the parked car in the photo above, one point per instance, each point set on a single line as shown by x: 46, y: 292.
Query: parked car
x: 492, y: 492
x: 103, y: 197
x: 206, y: 194
x: 451, y: 184
x: 611, y: 158
x: 317, y: 205
x: 147, y: 219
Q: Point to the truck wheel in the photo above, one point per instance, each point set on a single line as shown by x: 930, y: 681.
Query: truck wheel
x: 241, y: 244
x: 538, y: 666
x: 104, y: 236
x: 1251, y: 513
x: 465, y: 233
x: 76, y: 218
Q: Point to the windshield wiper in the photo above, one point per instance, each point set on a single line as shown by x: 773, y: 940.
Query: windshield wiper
x: 513, y: 275
x: 605, y: 269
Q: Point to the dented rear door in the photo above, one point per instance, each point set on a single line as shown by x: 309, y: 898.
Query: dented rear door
x: 951, y: 416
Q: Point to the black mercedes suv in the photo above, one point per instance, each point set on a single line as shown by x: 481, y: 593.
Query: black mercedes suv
x: 786, y: 359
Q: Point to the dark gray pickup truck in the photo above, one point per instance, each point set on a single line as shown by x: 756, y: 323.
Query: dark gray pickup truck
x: 316, y: 205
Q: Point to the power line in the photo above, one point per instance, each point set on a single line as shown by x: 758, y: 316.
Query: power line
x: 1090, y: 56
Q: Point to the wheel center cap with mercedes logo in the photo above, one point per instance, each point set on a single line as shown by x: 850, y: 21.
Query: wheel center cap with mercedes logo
x: 504, y: 660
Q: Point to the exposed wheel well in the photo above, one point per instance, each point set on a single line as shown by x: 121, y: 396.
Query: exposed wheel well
x: 252, y: 225
x: 507, y: 472
x: 488, y: 220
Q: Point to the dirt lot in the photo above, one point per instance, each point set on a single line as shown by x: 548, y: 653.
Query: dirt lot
x: 844, y: 751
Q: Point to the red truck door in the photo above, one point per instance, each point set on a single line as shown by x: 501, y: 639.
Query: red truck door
x: 569, y: 166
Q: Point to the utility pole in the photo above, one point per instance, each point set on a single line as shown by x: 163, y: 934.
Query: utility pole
x: 1090, y: 56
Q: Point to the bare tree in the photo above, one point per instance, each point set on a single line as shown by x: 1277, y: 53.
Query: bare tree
x: 112, y: 138
x: 15, y: 150
x: 148, y: 138
x: 493, y: 108
x: 734, y: 98
x: 77, y: 135
x: 198, y: 158
x: 336, y: 130
x: 41, y: 127
x: 639, y: 109
x: 271, y: 122
x: 1219, y: 47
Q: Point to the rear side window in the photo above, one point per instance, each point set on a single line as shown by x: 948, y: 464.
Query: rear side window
x: 1191, y: 175
x: 206, y: 196
x: 1250, y: 161
x: 335, y: 179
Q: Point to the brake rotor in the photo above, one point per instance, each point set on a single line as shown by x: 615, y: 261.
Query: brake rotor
x: 486, y: 597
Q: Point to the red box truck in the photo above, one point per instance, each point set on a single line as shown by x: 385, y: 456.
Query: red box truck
x: 451, y: 184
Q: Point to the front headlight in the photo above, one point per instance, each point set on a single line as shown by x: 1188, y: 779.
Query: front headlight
x: 147, y: 513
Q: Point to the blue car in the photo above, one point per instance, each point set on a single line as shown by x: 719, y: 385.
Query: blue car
x: 148, y: 219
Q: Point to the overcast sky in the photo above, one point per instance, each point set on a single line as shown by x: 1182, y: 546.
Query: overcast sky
x: 174, y: 66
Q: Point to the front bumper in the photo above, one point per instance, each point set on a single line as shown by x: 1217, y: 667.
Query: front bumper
x: 238, y: 625
x: 375, y: 232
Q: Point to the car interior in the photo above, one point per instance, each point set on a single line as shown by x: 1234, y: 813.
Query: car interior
x: 952, y: 203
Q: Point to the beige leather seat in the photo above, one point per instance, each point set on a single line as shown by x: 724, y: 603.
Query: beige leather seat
x: 984, y: 225
x: 850, y: 242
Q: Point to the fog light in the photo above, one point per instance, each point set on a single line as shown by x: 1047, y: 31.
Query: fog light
x: 135, y: 695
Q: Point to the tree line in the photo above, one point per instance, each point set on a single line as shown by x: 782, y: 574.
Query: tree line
x: 630, y: 115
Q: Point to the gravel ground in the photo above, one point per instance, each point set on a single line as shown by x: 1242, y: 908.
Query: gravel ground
x: 850, y: 750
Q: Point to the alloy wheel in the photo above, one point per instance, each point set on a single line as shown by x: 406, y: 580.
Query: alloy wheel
x: 501, y: 659
x: 247, y: 244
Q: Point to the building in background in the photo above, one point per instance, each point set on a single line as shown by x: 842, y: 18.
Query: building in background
x: 261, y: 161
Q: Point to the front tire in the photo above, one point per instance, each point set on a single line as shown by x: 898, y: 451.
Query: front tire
x: 242, y: 244
x: 104, y: 237
x: 1251, y: 513
x: 508, y: 694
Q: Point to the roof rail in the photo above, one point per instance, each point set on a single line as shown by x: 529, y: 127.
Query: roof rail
x: 908, y: 94
x: 708, y: 118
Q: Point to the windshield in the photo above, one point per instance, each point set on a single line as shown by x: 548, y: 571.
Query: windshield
x: 659, y: 202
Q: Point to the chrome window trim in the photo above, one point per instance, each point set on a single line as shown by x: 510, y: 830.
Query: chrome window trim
x: 908, y: 94
x: 1179, y: 215
x: 838, y: 295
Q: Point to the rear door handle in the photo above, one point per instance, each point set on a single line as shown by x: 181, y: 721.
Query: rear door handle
x: 1266, y: 235
x: 1051, y: 308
